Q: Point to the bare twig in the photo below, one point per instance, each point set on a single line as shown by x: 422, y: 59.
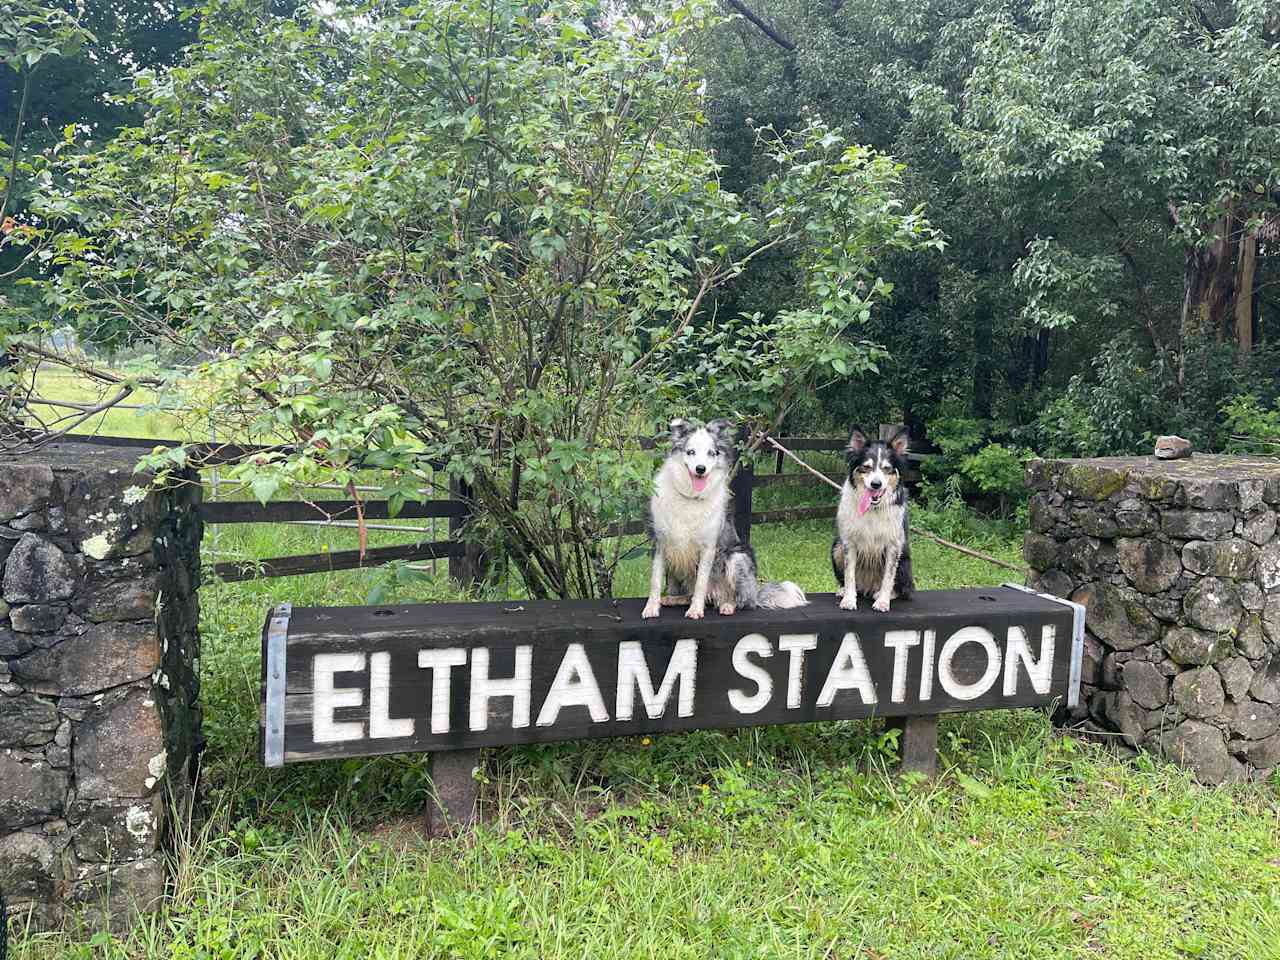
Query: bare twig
x: 80, y: 367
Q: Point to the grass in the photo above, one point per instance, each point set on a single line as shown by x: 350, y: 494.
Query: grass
x: 789, y: 842
x: 780, y: 842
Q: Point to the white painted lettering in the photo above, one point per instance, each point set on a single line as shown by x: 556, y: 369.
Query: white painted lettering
x: 441, y: 664
x: 633, y: 672
x: 796, y: 644
x: 901, y: 641
x: 946, y: 675
x: 381, y: 726
x: 926, y: 666
x: 848, y: 672
x: 1019, y: 649
x: 484, y: 688
x: 574, y: 686
x: 325, y: 699
x: 739, y: 699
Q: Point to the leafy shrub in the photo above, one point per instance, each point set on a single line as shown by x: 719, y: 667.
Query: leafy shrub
x: 1247, y: 417
x: 974, y: 462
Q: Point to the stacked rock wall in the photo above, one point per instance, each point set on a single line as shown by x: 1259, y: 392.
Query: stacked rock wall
x: 99, y: 717
x: 1178, y: 564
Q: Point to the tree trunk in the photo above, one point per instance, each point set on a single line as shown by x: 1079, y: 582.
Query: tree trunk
x: 1208, y: 277
x: 1248, y: 263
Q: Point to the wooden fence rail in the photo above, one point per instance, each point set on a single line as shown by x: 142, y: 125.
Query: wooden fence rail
x: 467, y: 564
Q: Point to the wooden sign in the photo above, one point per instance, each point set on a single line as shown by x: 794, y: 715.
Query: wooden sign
x: 357, y: 681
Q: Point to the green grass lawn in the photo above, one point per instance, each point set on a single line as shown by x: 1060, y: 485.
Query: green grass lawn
x: 771, y: 842
x: 784, y: 842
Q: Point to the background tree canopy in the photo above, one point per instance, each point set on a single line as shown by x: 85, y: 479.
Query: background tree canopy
x: 512, y: 237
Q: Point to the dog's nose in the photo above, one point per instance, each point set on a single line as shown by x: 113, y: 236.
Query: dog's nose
x: 877, y: 484
x: 699, y: 469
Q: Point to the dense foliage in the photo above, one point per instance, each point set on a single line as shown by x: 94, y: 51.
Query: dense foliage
x: 511, y: 238
x: 461, y: 233
x: 1108, y: 176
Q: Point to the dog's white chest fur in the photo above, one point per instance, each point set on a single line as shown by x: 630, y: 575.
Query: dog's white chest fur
x: 685, y: 526
x: 867, y: 538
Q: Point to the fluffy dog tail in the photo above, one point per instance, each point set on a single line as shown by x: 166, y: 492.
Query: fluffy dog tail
x: 780, y: 596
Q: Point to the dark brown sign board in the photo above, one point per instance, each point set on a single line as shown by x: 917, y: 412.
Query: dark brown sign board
x: 359, y: 681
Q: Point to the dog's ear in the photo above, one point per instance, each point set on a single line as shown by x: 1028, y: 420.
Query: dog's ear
x: 680, y: 429
x: 721, y: 427
x: 857, y: 443
x: 899, y: 442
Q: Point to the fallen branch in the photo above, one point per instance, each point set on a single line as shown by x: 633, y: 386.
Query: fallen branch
x: 924, y: 533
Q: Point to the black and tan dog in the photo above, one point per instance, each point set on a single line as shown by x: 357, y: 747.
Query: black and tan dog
x: 871, y: 554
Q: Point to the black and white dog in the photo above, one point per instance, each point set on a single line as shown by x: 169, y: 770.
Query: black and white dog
x: 872, y: 553
x: 695, y: 544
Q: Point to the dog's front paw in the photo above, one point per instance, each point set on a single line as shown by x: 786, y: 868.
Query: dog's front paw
x: 651, y: 610
x: 694, y: 612
x: 849, y: 601
x: 881, y: 604
x: 727, y: 609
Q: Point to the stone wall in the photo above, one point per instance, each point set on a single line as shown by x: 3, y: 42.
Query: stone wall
x: 99, y: 716
x: 1178, y: 563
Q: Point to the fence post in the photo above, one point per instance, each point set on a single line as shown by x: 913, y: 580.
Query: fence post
x: 468, y: 566
x: 742, y: 486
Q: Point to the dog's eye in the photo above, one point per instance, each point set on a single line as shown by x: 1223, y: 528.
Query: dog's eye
x: 690, y: 453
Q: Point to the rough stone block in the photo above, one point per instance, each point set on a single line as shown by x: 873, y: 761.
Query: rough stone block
x: 1134, y: 518
x: 1266, y: 682
x: 1198, y: 693
x: 1042, y: 514
x: 32, y: 792
x: 1055, y: 582
x: 37, y: 572
x: 1145, y: 683
x: 1263, y: 753
x: 26, y: 720
x: 1151, y: 565
x: 1197, y: 524
x: 120, y: 748
x: 1203, y: 749
x: 1251, y: 719
x: 1269, y: 567
x: 132, y: 599
x: 1261, y: 528
x: 24, y: 489
x: 1250, y: 640
x: 1116, y: 616
x: 106, y: 655
x: 1233, y: 559
x: 1091, y: 480
x: 37, y: 617
x: 112, y: 897
x: 1213, y: 604
x: 1097, y: 521
x: 1091, y: 661
x: 1192, y: 647
x: 1237, y: 674
x: 1039, y: 551
x: 28, y: 869
x: 111, y: 832
x: 1203, y: 494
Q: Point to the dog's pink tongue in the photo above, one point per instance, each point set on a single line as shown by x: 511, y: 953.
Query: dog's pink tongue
x: 699, y: 483
x: 865, y: 503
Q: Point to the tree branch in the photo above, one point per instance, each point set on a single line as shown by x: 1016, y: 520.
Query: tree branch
x: 764, y: 28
